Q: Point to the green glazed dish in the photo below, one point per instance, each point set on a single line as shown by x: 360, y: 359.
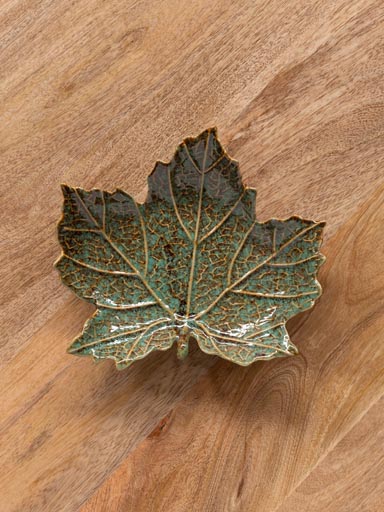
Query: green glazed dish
x: 191, y: 263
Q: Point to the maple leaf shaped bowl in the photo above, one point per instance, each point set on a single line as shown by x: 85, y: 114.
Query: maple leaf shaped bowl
x: 190, y: 263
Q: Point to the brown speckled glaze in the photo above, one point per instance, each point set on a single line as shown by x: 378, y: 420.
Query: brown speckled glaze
x: 192, y: 262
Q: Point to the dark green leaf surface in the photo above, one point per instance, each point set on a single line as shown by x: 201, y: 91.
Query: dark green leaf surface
x: 191, y: 262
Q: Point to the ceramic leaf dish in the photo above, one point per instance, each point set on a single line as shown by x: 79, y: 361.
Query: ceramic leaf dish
x: 191, y: 263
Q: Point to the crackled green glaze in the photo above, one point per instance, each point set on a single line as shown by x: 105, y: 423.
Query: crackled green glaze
x: 191, y: 262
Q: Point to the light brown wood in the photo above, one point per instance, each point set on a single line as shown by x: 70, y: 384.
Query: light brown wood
x: 354, y: 469
x: 92, y: 93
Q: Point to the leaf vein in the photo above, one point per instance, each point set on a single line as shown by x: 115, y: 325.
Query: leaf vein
x: 249, y: 342
x: 175, y: 206
x: 197, y: 227
x: 125, y: 258
x: 250, y: 272
x: 226, y: 216
x: 101, y: 270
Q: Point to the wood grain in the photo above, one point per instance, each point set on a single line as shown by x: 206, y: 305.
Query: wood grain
x: 92, y: 93
x: 351, y: 477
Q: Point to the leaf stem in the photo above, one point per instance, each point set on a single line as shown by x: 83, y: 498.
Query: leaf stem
x: 183, y: 343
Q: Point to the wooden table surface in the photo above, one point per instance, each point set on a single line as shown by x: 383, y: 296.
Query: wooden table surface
x: 92, y: 94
